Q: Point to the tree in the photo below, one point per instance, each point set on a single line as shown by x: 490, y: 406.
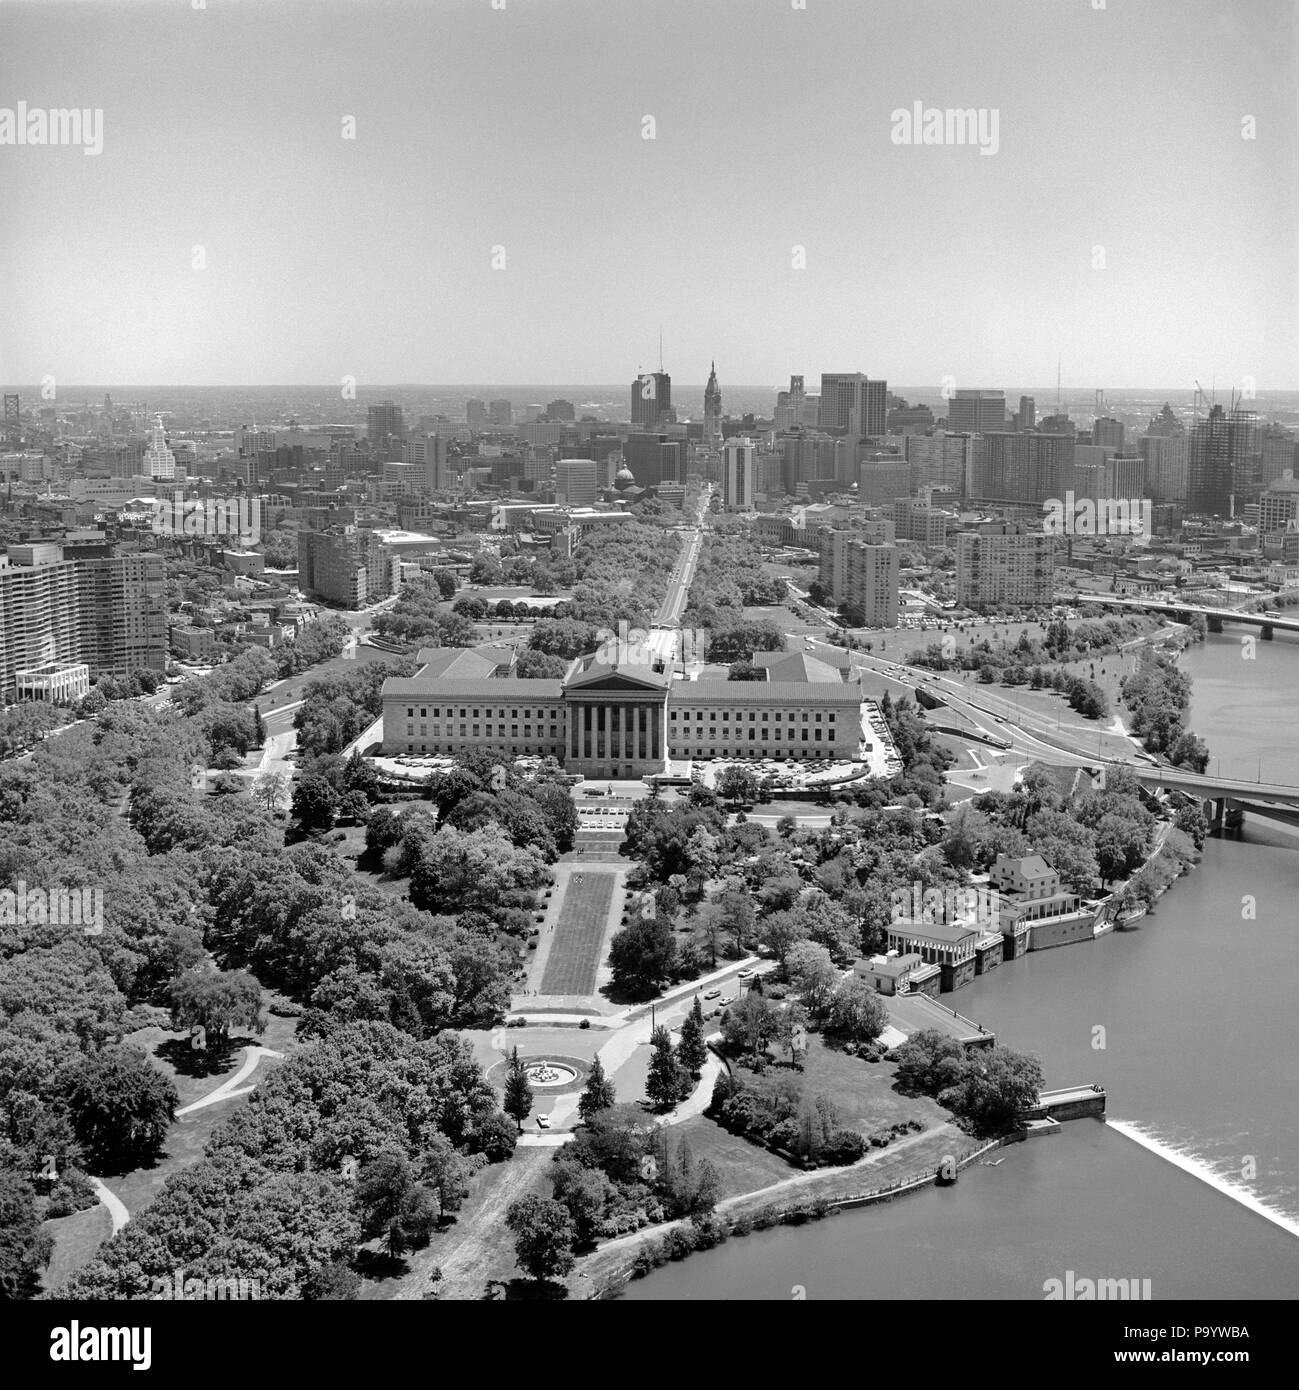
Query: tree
x: 268, y: 791
x: 25, y: 1248
x: 543, y: 1236
x: 598, y: 1093
x: 813, y: 974
x: 857, y: 1013
x: 749, y: 1026
x: 692, y: 1050
x: 216, y: 1000
x: 781, y: 931
x: 643, y: 956
x: 315, y: 802
x: 737, y: 784
x: 259, y: 728
x: 395, y: 1206
x: 518, y: 1091
x: 120, y: 1106
x: 446, y: 582
x: 663, y: 1085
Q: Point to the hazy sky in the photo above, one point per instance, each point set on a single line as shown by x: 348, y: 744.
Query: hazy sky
x: 522, y: 128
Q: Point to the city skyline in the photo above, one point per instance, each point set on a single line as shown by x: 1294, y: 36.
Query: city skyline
x: 778, y: 202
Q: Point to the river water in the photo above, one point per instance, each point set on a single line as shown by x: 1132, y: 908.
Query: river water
x: 1189, y: 1023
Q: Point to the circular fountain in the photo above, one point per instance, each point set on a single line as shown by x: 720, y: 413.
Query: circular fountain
x: 544, y: 1073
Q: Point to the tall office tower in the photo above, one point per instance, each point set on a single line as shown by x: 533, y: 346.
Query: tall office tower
x: 1020, y: 467
x: 159, y: 461
x: 384, y: 428
x: 851, y: 401
x: 430, y: 453
x: 938, y: 460
x: 109, y: 613
x: 712, y: 410
x: 1165, y: 422
x: 561, y: 410
x: 1125, y: 477
x: 871, y: 582
x: 740, y: 475
x: 976, y: 412
x: 651, y: 399
x: 1014, y: 567
x: 1221, y: 469
x: 1278, y: 454
x: 1026, y: 415
x: 575, y: 482
x: 1278, y: 506
x: 1107, y: 430
x: 501, y: 414
x: 811, y: 457
x: 476, y: 415
x: 790, y: 405
x: 13, y: 418
x: 654, y: 459
x: 908, y: 419
x: 1166, y: 465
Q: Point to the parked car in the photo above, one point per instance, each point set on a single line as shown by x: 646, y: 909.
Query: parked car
x: 713, y: 994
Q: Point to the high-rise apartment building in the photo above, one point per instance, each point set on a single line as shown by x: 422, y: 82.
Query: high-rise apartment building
x: 939, y: 460
x: 500, y: 414
x: 871, y: 582
x: 476, y: 415
x: 976, y: 411
x: 740, y: 475
x: 1013, y: 567
x: 109, y: 613
x: 651, y: 400
x: 1010, y: 467
x: 343, y: 565
x: 850, y: 401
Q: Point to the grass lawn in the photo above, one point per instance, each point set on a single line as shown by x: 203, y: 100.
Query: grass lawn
x: 863, y: 1091
x: 76, y: 1238
x: 742, y: 1167
x: 574, y: 958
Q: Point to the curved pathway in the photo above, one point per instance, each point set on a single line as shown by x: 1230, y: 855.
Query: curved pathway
x: 116, y: 1207
x: 227, y: 1089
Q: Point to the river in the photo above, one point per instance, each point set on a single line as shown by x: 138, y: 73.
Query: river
x: 1188, y: 1022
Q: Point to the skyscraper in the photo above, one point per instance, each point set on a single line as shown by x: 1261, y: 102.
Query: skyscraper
x: 1107, y: 430
x: 159, y: 461
x: 976, y: 411
x: 740, y: 475
x: 712, y: 410
x: 1015, y: 567
x: 108, y: 612
x: 1026, y: 415
x: 851, y: 401
x: 476, y: 415
x: 575, y: 482
x: 1221, y: 463
x: 651, y: 399
x: 501, y: 414
x: 384, y: 424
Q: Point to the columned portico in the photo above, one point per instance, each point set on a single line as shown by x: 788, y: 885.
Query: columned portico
x: 615, y: 721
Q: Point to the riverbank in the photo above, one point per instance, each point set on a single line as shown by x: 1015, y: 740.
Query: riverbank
x: 914, y: 1164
